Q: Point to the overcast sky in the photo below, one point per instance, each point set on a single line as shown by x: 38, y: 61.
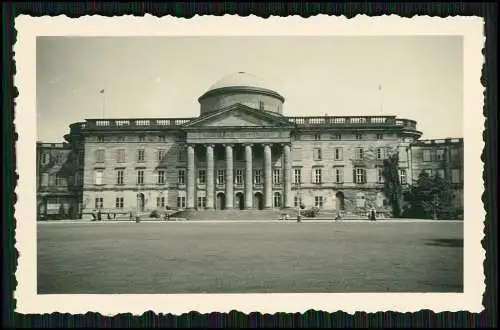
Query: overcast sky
x: 421, y: 77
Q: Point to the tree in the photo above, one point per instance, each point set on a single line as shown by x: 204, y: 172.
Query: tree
x: 392, y: 185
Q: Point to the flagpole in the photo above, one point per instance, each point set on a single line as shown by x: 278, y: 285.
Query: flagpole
x: 381, y: 99
x: 103, y: 93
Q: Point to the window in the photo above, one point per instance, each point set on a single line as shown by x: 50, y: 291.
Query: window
x: 276, y: 176
x: 261, y: 105
x: 77, y: 179
x: 181, y: 202
x: 317, y: 175
x: 181, y: 176
x: 100, y: 139
x: 160, y: 201
x: 99, y: 155
x: 45, y: 158
x: 181, y: 156
x: 45, y: 179
x: 359, y: 153
x: 202, y: 176
x: 454, y: 154
x: 221, y: 176
x: 202, y: 202
x: 98, y: 178
x: 317, y: 136
x: 119, y: 203
x: 258, y: 176
x: 380, y: 153
x: 140, y: 177
x: 161, y: 138
x: 380, y: 136
x: 161, y: 177
x: 297, y: 175
x: 317, y: 154
x: 99, y: 202
x: 59, y: 158
x: 60, y: 180
x: 427, y: 155
x: 440, y: 173
x: 339, y: 175
x: 238, y: 178
x: 120, y: 155
x: 142, y: 138
x: 121, y: 139
x: 119, y: 177
x: 162, y: 155
x: 337, y: 153
x: 455, y: 175
x: 440, y: 154
x: 318, y: 201
x: 297, y: 201
x: 277, y: 200
x: 380, y: 175
x: 337, y: 136
x: 359, y: 136
x: 140, y: 155
x: 402, y: 176
x: 359, y: 175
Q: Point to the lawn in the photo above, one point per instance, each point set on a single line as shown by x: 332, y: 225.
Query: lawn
x: 104, y: 258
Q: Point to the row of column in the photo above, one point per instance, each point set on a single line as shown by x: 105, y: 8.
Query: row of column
x: 268, y: 180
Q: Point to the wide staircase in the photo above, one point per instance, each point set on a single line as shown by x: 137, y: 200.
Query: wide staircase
x: 228, y: 215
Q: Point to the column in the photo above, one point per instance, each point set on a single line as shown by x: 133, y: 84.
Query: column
x: 229, y: 177
x: 287, y: 196
x: 248, y: 177
x: 190, y: 177
x: 210, y: 176
x: 268, y: 179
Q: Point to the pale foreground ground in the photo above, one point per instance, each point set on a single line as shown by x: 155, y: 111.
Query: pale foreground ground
x: 238, y: 257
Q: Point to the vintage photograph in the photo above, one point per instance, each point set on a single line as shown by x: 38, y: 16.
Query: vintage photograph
x: 257, y: 164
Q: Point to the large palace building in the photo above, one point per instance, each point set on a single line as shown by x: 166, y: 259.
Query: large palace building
x: 242, y: 152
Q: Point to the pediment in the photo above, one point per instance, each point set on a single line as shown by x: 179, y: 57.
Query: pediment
x: 239, y: 116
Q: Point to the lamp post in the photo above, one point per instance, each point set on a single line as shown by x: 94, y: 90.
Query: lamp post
x: 435, y: 203
x: 299, y: 204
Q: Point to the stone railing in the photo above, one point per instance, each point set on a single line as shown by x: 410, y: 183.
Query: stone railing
x: 53, y: 145
x: 371, y: 121
x: 132, y: 123
x: 439, y: 141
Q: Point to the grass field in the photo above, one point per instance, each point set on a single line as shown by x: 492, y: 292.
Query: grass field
x: 104, y: 258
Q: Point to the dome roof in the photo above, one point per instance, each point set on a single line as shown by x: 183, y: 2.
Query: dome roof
x: 239, y: 79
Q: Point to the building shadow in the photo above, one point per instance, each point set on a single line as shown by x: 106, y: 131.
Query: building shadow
x: 446, y: 242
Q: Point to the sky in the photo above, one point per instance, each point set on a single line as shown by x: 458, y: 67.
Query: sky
x: 421, y: 77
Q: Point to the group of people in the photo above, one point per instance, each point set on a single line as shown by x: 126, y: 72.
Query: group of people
x: 97, y: 216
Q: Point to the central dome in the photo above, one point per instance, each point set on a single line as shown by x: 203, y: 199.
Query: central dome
x: 239, y: 79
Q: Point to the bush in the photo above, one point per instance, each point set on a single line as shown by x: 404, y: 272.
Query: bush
x: 154, y: 214
x: 311, y: 213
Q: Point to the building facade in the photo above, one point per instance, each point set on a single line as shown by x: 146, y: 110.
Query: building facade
x: 240, y: 153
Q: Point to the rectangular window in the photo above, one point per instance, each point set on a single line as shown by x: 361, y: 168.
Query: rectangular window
x: 181, y: 176
x: 99, y: 155
x: 142, y: 138
x: 297, y: 175
x: 120, y: 155
x: 99, y: 202
x: 119, y: 203
x: 161, y: 177
x: 202, y: 176
x: 359, y: 175
x: 59, y: 180
x: 181, y: 155
x: 140, y: 155
x: 359, y: 153
x: 317, y: 154
x: 380, y: 153
x: 98, y: 178
x: 359, y: 136
x: 162, y: 155
x: 455, y: 175
x: 454, y: 154
x: 339, y: 175
x: 402, y: 176
x: 440, y: 173
x: 221, y: 177
x: 317, y: 136
x: 276, y: 176
x: 59, y: 158
x: 337, y: 136
x: 181, y: 202
x: 297, y: 201
x: 440, y: 154
x: 100, y: 139
x: 160, y: 201
x: 140, y: 177
x: 337, y: 153
x: 427, y: 155
x: 318, y: 201
x: 238, y: 178
x: 119, y: 177
x: 45, y: 158
x: 380, y: 136
x: 380, y: 175
x: 257, y: 176
x: 317, y: 175
x: 202, y: 202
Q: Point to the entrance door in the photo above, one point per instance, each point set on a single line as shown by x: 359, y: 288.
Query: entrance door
x: 340, y: 201
x: 240, y: 201
x: 221, y: 201
x: 258, y: 201
x: 140, y: 202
